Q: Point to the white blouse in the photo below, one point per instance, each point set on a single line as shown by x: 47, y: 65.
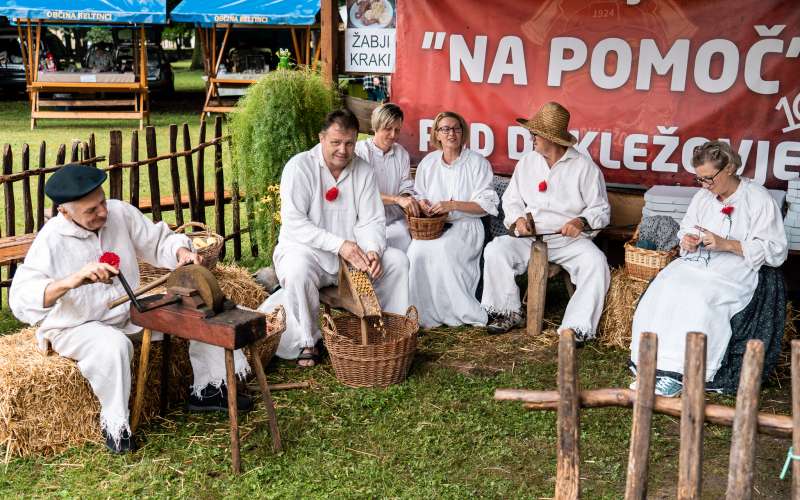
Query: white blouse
x: 392, y: 172
x: 469, y: 178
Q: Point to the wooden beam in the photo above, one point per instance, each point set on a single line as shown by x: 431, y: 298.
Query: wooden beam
x: 297, y: 54
x: 329, y: 20
x: 568, y: 459
x: 690, y: 456
x: 222, y: 50
x: 636, y: 484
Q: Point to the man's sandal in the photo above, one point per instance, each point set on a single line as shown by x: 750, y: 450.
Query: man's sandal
x: 308, y: 354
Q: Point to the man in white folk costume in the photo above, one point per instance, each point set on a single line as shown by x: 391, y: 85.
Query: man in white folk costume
x: 330, y: 207
x: 564, y: 192
x: 64, y: 288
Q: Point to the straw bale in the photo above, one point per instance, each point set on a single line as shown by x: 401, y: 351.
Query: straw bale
x: 621, y: 300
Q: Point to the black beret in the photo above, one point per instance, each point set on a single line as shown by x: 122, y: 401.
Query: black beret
x: 73, y: 182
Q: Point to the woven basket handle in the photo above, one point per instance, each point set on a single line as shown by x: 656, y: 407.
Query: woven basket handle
x: 636, y: 232
x: 182, y: 227
x: 327, y: 321
x: 412, y: 314
x: 280, y: 314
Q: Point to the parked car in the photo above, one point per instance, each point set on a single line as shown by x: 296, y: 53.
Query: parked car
x: 160, y: 78
x: 52, y: 57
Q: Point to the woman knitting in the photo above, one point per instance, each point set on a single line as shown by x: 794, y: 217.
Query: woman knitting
x: 732, y: 227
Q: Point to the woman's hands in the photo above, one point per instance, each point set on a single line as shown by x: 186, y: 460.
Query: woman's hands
x: 409, y: 205
x: 690, y: 242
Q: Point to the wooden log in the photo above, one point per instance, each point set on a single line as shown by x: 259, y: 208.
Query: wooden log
x: 537, y: 286
x: 768, y: 423
x: 133, y: 174
x: 690, y: 461
x: 568, y: 450
x: 27, y: 202
x: 175, y: 175
x: 329, y: 21
x: 233, y: 412
x: 152, y: 173
x: 201, y: 165
x: 219, y: 185
x: 40, y: 186
x: 636, y: 484
x: 743, y: 437
x: 796, y: 417
x: 189, y: 167
x: 114, y: 157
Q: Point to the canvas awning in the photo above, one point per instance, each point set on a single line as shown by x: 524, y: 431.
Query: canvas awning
x: 88, y: 12
x: 275, y: 12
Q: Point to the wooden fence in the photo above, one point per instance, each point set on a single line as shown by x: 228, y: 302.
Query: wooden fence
x: 190, y: 195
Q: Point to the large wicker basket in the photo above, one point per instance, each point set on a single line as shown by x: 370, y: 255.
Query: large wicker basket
x: 645, y: 264
x: 426, y: 228
x: 210, y: 253
x: 383, y: 361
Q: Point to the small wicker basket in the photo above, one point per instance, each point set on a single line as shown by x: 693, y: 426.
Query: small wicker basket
x: 268, y: 346
x: 210, y: 253
x: 383, y: 361
x: 426, y: 228
x: 642, y: 264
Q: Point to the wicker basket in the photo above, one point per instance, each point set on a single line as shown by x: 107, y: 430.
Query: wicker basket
x: 645, y: 264
x: 209, y: 253
x: 268, y: 346
x: 385, y: 359
x: 426, y: 228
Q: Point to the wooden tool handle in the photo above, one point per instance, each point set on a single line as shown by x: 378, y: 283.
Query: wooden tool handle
x: 146, y: 288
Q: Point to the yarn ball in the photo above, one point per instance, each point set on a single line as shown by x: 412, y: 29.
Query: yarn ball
x: 645, y: 244
x: 659, y: 230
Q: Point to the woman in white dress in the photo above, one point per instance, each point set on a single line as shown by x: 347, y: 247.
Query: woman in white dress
x: 444, y: 272
x: 392, y: 168
x: 732, y: 227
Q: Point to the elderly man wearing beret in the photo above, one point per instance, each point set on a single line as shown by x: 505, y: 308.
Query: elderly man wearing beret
x: 563, y: 192
x: 64, y: 288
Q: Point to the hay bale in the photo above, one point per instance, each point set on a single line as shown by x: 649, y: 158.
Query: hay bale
x: 621, y: 300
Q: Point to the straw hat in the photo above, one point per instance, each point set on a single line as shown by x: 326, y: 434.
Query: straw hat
x: 550, y: 122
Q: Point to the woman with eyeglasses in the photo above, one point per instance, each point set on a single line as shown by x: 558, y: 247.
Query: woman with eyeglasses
x: 444, y: 273
x: 392, y: 168
x: 732, y: 227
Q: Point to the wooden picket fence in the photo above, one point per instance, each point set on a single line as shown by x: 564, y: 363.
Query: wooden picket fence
x: 691, y: 407
x: 189, y: 196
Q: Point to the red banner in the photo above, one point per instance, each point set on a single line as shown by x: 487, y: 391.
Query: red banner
x: 645, y: 83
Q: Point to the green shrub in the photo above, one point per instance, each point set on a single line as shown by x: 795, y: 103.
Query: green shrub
x: 280, y: 116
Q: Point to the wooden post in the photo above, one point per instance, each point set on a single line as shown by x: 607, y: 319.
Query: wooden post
x: 537, y: 286
x: 61, y: 155
x: 152, y: 173
x: 85, y: 151
x: 568, y: 452
x: 133, y: 173
x: 796, y: 417
x: 27, y: 206
x: 236, y: 220
x: 270, y: 406
x: 141, y: 379
x: 329, y: 20
x: 93, y: 151
x: 219, y: 184
x: 40, y: 186
x: 166, y: 354
x: 636, y: 485
x: 690, y: 465
x: 251, y: 218
x: 8, y: 191
x: 743, y: 435
x: 190, y: 186
x: 75, y: 155
x: 115, y: 158
x: 201, y: 165
x: 175, y: 174
x: 233, y: 411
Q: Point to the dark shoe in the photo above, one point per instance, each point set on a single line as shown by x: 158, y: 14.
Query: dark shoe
x: 501, y: 323
x: 216, y: 399
x: 309, y: 356
x: 581, y: 338
x: 126, y: 443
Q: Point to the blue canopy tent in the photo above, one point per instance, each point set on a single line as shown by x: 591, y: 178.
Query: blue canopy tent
x: 30, y: 15
x: 211, y: 15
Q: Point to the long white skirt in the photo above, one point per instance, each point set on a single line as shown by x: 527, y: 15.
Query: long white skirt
x: 444, y: 275
x: 694, y: 296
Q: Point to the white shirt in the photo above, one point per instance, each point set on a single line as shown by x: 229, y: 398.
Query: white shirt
x: 469, y: 178
x: 575, y: 188
x: 308, y: 219
x: 62, y: 248
x: 392, y: 172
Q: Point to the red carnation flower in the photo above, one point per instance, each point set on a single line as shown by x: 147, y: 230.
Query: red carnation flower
x: 543, y: 186
x: 110, y: 258
x: 727, y: 210
x: 332, y: 193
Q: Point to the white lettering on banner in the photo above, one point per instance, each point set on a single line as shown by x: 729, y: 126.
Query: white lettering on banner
x: 509, y: 60
x: 624, y: 60
x: 473, y: 63
x: 730, y: 66
x: 792, y: 115
x: 559, y: 63
x: 370, y: 50
x: 666, y: 145
x: 651, y: 59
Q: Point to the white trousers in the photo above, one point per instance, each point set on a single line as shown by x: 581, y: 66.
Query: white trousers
x: 104, y: 353
x: 301, y: 277
x: 397, y: 235
x: 506, y: 257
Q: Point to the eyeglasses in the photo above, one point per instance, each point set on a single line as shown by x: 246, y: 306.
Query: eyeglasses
x: 447, y: 130
x: 707, y: 180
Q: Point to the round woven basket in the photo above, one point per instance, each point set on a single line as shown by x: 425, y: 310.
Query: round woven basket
x: 426, y: 228
x: 642, y: 264
x: 385, y: 359
x: 267, y: 347
x: 210, y: 253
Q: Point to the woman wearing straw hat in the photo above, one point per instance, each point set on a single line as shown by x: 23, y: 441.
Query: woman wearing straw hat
x: 444, y: 273
x: 392, y: 168
x: 564, y: 192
